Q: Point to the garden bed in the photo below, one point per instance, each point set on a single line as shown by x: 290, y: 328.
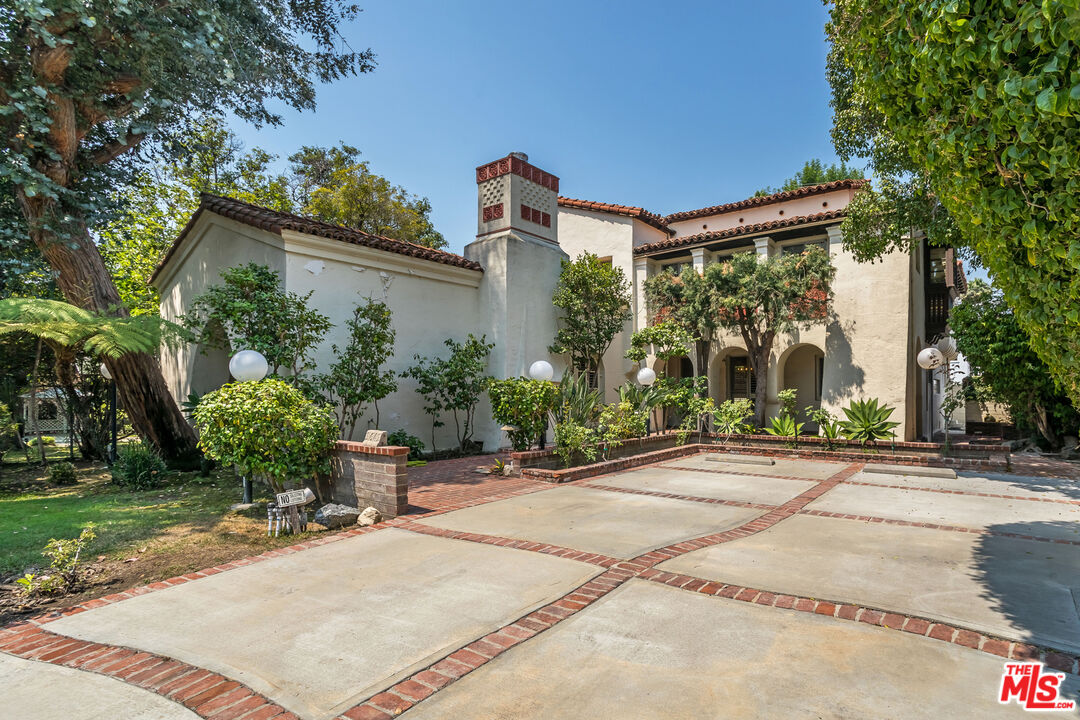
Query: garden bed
x: 548, y: 460
x: 545, y: 465
x: 957, y: 450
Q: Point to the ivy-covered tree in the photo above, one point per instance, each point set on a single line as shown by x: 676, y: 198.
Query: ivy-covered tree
x: 815, y: 172
x: 969, y: 114
x: 82, y: 84
x: 250, y: 311
x: 1004, y: 366
x: 761, y: 298
x: 357, y: 376
x: 594, y: 297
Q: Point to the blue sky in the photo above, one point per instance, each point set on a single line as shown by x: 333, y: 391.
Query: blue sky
x: 671, y: 106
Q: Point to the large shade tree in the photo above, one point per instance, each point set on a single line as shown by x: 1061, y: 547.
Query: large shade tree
x: 760, y: 298
x: 82, y: 84
x: 689, y: 301
x: 969, y: 113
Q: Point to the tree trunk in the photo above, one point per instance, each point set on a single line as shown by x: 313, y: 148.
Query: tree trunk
x: 1042, y: 423
x: 759, y: 362
x: 85, y: 282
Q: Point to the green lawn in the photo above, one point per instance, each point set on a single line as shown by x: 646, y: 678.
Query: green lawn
x: 123, y: 518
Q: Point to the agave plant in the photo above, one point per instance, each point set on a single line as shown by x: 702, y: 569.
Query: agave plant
x: 785, y: 426
x: 868, y: 420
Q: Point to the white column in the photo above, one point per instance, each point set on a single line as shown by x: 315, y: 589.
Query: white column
x: 765, y: 247
x: 643, y: 268
x: 702, y: 257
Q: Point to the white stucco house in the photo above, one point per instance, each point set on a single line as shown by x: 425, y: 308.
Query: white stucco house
x: 501, y: 287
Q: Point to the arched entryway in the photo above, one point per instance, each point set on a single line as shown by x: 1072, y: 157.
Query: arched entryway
x: 802, y: 367
x: 730, y: 375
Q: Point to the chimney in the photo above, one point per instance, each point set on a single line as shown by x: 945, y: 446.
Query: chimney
x: 518, y: 198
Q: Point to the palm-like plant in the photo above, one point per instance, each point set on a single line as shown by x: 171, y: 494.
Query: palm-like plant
x: 70, y: 331
x: 867, y: 420
x: 785, y: 426
x: 577, y: 401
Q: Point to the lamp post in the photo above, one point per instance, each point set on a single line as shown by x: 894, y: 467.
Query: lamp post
x: 646, y: 376
x: 248, y: 366
x: 542, y: 370
x: 112, y: 411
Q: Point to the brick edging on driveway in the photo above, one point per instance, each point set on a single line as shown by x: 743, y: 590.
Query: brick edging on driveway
x: 924, y: 627
x: 207, y: 694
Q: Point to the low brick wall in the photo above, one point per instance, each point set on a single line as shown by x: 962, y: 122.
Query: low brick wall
x: 549, y: 460
x: 563, y: 475
x: 997, y: 463
x: 957, y: 450
x: 363, y: 476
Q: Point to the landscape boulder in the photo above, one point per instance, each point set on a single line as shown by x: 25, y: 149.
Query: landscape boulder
x: 370, y: 516
x: 333, y: 515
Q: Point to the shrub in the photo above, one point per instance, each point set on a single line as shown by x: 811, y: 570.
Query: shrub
x: 62, y: 473
x: 63, y: 566
x: 402, y: 438
x: 267, y: 430
x: 619, y: 421
x: 138, y: 467
x: 523, y: 404
x: 48, y: 440
x: 787, y: 398
x: 577, y: 402
x: 827, y: 424
x: 731, y: 416
x: 573, y: 440
x: 698, y: 413
x: 867, y: 420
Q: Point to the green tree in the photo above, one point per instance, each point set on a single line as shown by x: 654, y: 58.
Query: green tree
x: 82, y: 84
x: 454, y: 385
x: 970, y: 116
x: 356, y: 197
x: 763, y: 297
x: 250, y: 311
x: 523, y: 404
x: 815, y: 172
x: 594, y: 297
x: 688, y: 300
x: 1004, y: 366
x: 357, y: 376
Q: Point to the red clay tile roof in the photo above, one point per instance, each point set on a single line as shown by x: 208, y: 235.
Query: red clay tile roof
x: 635, y: 212
x: 275, y: 221
x: 714, y: 235
x: 753, y: 202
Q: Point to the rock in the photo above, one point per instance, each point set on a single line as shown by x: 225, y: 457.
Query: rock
x: 1069, y: 449
x: 333, y: 515
x: 370, y: 516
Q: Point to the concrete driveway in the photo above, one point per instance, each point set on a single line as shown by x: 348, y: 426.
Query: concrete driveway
x: 699, y: 587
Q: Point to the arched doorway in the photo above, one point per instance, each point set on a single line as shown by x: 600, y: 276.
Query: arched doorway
x: 802, y: 367
x: 730, y: 375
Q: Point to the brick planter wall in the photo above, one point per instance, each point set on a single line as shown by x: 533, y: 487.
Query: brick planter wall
x: 997, y: 463
x: 547, y: 459
x: 363, y: 476
x: 563, y: 475
x: 982, y: 451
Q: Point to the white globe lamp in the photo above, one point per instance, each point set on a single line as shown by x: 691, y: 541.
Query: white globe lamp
x: 947, y: 346
x: 541, y: 370
x: 930, y: 358
x: 646, y: 376
x: 248, y: 365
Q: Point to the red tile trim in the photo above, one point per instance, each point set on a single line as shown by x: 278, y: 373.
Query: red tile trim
x: 675, y: 496
x: 359, y: 447
x: 935, y: 526
x: 609, y: 466
x: 207, y: 694
x: 925, y: 627
x: 456, y: 665
x: 965, y: 492
x: 513, y: 543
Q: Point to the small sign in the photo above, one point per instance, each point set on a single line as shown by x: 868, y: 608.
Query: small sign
x: 295, y: 497
x: 375, y: 438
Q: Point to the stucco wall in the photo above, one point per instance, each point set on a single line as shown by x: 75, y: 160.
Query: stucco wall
x: 429, y: 303
x: 608, y: 235
x: 812, y: 205
x: 213, y: 245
